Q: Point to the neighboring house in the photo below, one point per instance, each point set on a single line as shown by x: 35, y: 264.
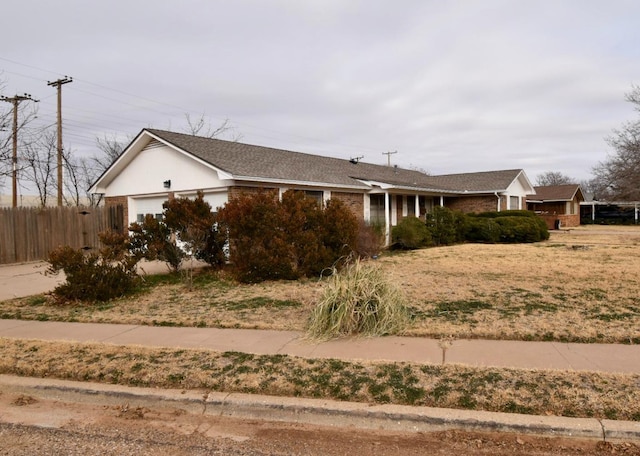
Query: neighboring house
x: 158, y: 165
x: 558, y: 205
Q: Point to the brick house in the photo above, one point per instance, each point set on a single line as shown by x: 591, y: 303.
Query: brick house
x: 158, y: 165
x: 558, y: 205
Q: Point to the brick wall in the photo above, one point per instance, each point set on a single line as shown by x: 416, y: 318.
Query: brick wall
x: 548, y: 208
x: 354, y: 201
x: 234, y: 192
x: 566, y: 221
x: 469, y: 204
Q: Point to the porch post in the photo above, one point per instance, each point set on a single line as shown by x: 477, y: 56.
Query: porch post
x: 417, y: 208
x: 441, y: 201
x: 387, y: 217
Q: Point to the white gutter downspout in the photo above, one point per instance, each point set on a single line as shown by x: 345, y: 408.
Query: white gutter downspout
x: 497, y: 196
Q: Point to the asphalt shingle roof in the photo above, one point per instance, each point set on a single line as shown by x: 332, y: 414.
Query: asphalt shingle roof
x: 555, y: 192
x: 259, y: 162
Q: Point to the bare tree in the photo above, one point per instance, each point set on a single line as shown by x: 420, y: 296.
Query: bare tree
x: 39, y: 165
x: 74, y: 179
x: 202, y: 127
x: 618, y: 177
x: 553, y: 178
x: 110, y: 149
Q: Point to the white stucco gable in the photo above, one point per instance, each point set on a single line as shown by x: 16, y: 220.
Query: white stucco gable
x: 148, y: 165
x: 154, y: 166
x: 520, y: 186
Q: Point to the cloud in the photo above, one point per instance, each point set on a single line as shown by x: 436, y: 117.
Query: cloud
x: 453, y: 86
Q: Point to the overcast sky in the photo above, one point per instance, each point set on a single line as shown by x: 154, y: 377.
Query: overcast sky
x: 452, y: 86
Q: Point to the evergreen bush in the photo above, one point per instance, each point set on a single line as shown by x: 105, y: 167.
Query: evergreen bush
x: 195, y: 226
x: 411, y: 233
x: 152, y: 240
x: 446, y: 226
x: 296, y: 237
x: 507, y: 226
x: 482, y: 229
x: 102, y: 276
x: 258, y: 246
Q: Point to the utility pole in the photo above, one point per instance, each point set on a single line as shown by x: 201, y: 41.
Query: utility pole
x: 16, y: 101
x: 58, y: 84
x: 389, y: 154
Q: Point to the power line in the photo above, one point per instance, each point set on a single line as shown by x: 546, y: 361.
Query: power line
x: 266, y: 132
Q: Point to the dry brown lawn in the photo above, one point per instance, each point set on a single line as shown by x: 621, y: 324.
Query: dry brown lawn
x: 538, y: 392
x: 581, y: 285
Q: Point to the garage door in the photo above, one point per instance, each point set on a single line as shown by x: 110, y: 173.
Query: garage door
x: 144, y: 206
x: 216, y: 200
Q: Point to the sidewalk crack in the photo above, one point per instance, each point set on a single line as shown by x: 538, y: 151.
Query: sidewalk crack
x: 120, y: 333
x: 604, y: 431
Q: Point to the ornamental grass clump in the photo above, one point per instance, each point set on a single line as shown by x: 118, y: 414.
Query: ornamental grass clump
x: 358, y: 301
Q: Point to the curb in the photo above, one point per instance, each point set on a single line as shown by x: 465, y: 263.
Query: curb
x: 324, y: 412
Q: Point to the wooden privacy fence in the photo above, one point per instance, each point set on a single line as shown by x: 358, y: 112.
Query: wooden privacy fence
x: 29, y: 234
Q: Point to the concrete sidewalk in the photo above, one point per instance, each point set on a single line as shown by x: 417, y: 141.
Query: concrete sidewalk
x: 484, y: 353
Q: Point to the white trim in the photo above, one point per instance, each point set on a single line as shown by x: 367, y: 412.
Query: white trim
x: 261, y: 180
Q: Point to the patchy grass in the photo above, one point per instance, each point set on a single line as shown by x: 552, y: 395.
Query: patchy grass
x: 579, y: 394
x: 579, y: 286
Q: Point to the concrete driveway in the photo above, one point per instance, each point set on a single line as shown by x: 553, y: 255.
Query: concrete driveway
x: 25, y: 279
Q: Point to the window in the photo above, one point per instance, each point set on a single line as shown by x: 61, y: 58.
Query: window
x: 514, y: 202
x: 411, y: 206
x: 140, y: 217
x: 376, y: 208
x: 317, y: 195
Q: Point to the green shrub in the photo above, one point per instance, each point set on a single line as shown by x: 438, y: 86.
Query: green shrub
x: 520, y: 230
x: 482, y: 229
x: 358, y: 301
x: 507, y: 226
x: 446, y: 226
x: 102, y: 276
x: 411, y: 233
